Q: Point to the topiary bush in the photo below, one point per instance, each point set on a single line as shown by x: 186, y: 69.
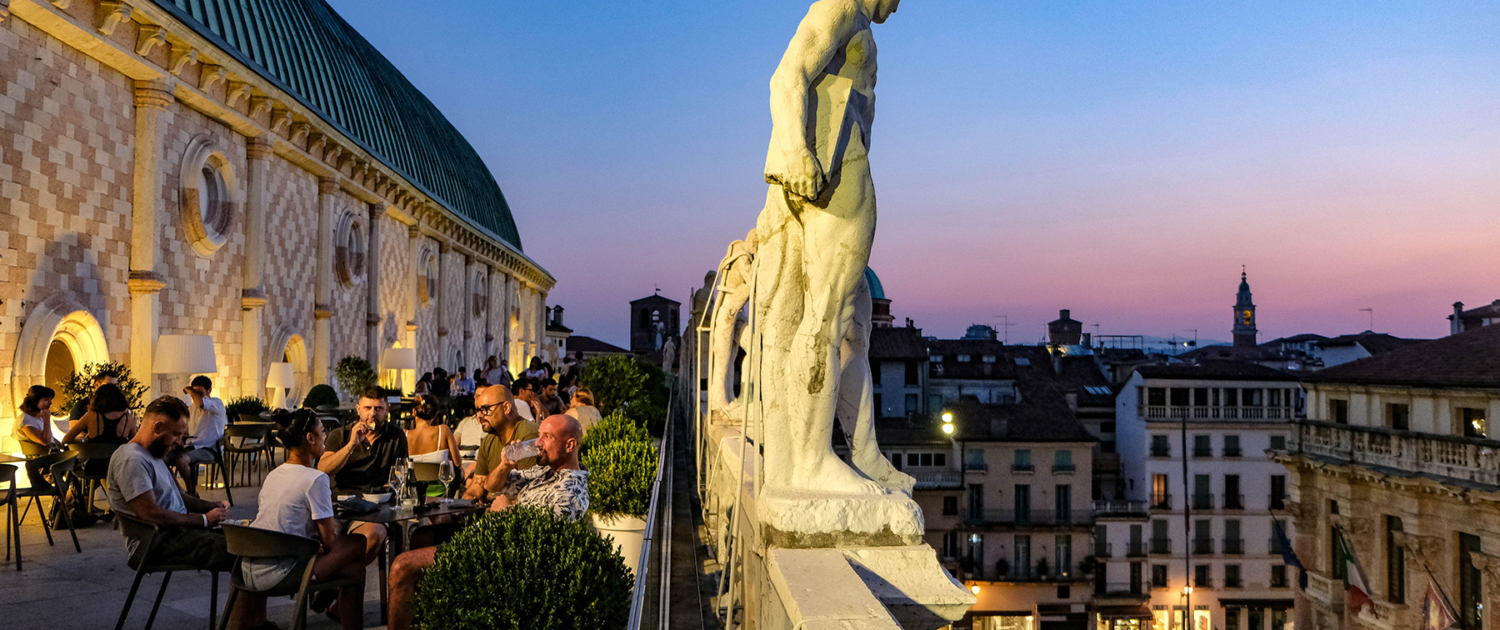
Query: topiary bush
x: 320, y: 395
x: 621, y: 473
x: 245, y: 405
x: 80, y: 385
x: 354, y: 375
x: 524, y: 568
x: 613, y: 428
x: 629, y: 386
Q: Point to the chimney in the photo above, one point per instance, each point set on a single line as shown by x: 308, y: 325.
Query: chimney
x: 1064, y: 314
x: 1456, y: 325
x: 1088, y: 340
x: 557, y: 315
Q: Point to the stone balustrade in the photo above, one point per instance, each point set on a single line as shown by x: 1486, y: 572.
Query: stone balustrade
x: 1443, y: 456
x: 1181, y: 412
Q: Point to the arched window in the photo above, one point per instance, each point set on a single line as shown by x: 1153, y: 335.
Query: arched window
x: 349, y: 253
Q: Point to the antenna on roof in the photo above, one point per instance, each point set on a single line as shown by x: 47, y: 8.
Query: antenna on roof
x: 1006, y: 323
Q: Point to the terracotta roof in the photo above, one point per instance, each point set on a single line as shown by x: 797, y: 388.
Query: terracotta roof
x: 897, y: 343
x: 1042, y: 416
x: 590, y: 345
x: 1373, y: 342
x: 1002, y: 368
x: 1488, y: 310
x: 1468, y: 359
x: 1213, y: 369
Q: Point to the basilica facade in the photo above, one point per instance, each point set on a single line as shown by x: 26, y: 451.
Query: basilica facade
x: 251, y: 170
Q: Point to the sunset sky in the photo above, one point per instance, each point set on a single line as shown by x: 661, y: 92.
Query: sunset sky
x: 1119, y: 159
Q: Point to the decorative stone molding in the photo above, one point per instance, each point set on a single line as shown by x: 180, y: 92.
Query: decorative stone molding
x: 148, y: 37
x: 109, y: 14
x: 281, y: 120
x: 371, y: 319
x: 209, y: 188
x: 259, y: 148
x: 299, y: 131
x: 322, y: 311
x: 442, y: 331
x: 4, y: 10
x: 315, y: 142
x: 62, y: 4
x: 1420, y: 545
x: 331, y: 156
x: 210, y: 75
x: 153, y: 96
x: 411, y: 325
x: 145, y: 283
x: 235, y: 92
x: 247, y: 302
x: 413, y: 231
x: 181, y: 57
x: 259, y: 106
x: 328, y: 185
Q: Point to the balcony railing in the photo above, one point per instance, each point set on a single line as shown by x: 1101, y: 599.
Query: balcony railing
x: 1104, y: 509
x: 1022, y: 468
x: 1466, y: 459
x: 1057, y: 468
x: 1203, y: 546
x: 1161, y: 452
x: 1122, y: 589
x: 1031, y: 517
x: 936, y: 480
x: 1203, y: 582
x: 1203, y: 502
x: 976, y: 466
x: 1234, y: 546
x: 1032, y: 575
x: 1172, y: 412
x: 1161, y: 546
x: 1104, y: 550
x: 1277, y: 502
x: 1161, y: 501
x: 1232, y: 451
x: 1203, y: 452
x: 1233, y: 582
x: 1234, y: 501
x: 1137, y: 549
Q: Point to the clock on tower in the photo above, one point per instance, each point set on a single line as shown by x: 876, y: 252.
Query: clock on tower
x: 1244, y: 316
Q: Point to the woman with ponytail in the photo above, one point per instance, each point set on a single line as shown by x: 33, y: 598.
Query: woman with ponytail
x: 430, y: 441
x: 296, y: 498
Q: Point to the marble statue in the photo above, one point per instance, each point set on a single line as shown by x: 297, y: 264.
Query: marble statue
x: 814, y: 238
x: 727, y: 328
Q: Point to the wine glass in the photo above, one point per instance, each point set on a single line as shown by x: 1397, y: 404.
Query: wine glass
x: 398, y: 481
x: 446, y: 475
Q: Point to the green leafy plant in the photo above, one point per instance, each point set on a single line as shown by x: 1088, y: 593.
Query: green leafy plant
x: 525, y: 568
x: 245, y: 405
x: 614, y: 428
x: 354, y: 375
x: 320, y: 395
x: 629, y: 386
x: 80, y: 385
x: 620, y: 477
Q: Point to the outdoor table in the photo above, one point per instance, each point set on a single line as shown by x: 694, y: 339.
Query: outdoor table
x: 7, y: 458
x: 390, y: 514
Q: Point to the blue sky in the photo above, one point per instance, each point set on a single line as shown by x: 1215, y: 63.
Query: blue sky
x: 1119, y: 159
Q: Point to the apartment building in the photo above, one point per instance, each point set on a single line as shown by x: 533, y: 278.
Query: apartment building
x: 1202, y: 496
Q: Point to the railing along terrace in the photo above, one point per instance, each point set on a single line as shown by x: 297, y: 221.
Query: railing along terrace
x: 1177, y: 412
x: 1031, y: 517
x: 1135, y: 549
x: 1034, y: 575
x: 1103, y: 550
x: 1234, y: 546
x: 1104, y: 508
x: 933, y: 480
x: 1461, y: 458
x: 1161, y: 545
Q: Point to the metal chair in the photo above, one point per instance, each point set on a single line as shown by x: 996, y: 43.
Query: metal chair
x: 12, y: 507
x: 217, y: 468
x: 252, y: 542
x: 93, y: 466
x: 59, y: 466
x: 242, y: 441
x: 32, y: 449
x: 146, y: 536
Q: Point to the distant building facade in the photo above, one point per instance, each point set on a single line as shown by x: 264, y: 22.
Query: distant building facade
x: 1462, y: 320
x: 653, y: 321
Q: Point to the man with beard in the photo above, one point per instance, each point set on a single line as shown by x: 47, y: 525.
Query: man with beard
x: 140, y: 485
x: 556, y: 483
x: 497, y: 414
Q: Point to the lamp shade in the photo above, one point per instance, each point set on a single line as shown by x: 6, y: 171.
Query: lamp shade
x: 399, y: 359
x: 184, y: 354
x: 282, y: 375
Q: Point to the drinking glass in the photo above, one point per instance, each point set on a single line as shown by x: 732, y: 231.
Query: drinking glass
x: 398, y: 481
x: 446, y: 475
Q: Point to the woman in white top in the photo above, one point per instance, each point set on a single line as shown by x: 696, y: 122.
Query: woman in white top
x: 583, y: 409
x: 429, y: 441
x: 296, y: 498
x: 534, y: 370
x: 36, y: 409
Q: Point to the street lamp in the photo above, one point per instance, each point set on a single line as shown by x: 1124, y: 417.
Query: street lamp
x: 948, y: 423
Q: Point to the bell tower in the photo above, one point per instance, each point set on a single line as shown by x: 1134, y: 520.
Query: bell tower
x: 1244, y: 316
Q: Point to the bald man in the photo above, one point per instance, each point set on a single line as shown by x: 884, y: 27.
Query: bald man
x: 556, y: 483
x: 502, y: 423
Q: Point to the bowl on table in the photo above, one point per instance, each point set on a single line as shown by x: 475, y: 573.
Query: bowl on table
x: 378, y: 497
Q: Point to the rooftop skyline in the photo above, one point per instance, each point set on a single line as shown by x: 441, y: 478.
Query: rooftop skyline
x: 1120, y: 161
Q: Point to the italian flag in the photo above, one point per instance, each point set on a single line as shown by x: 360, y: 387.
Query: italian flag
x: 1354, y: 576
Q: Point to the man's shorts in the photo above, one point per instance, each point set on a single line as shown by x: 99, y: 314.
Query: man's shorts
x: 200, y: 456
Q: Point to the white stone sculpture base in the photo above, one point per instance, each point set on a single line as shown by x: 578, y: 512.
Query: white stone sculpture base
x: 806, y: 519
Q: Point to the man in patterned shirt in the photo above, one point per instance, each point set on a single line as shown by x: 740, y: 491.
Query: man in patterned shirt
x: 555, y: 483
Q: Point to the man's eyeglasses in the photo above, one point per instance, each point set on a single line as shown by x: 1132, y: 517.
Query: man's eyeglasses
x: 485, y: 410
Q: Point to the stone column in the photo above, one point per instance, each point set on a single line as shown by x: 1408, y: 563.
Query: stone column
x: 253, y: 295
x: 372, y: 283
x: 323, y: 287
x: 442, y: 307
x: 466, y: 312
x: 489, y: 313
x: 419, y: 271
x: 151, y: 99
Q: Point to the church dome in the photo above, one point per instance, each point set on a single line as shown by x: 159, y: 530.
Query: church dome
x: 877, y: 292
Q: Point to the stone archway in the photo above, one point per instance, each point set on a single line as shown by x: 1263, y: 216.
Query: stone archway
x: 288, y: 346
x: 56, y: 325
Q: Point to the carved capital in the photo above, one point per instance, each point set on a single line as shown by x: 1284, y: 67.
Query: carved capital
x: 328, y: 185
x: 372, y: 320
x: 148, y: 38
x: 4, y: 10
x: 413, y: 231
x: 281, y: 120
x: 250, y: 303
x: 411, y: 325
x: 145, y: 283
x: 442, y: 331
x: 259, y: 106
x: 259, y: 148
x: 109, y: 14
x: 444, y: 247
x: 181, y: 57
x: 210, y: 75
x: 1422, y: 546
x: 62, y: 4
x: 377, y: 210
x: 322, y: 311
x: 153, y: 96
x: 488, y: 337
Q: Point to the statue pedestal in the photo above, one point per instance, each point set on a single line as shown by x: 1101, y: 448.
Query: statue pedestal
x: 793, y: 518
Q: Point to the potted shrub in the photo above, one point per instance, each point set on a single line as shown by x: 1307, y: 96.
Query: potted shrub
x: 628, y: 386
x: 621, y: 474
x: 319, y: 396
x: 524, y: 568
x: 354, y: 375
x: 614, y: 428
x: 245, y: 409
x: 80, y: 385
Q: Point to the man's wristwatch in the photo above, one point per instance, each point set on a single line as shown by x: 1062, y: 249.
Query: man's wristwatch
x: 205, y: 520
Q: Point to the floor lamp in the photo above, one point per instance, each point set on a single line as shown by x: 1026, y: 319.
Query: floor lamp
x: 281, y: 380
x: 399, y: 359
x: 184, y: 355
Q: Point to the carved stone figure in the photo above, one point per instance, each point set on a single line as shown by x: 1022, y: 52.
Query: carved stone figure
x: 815, y: 234
x: 727, y: 327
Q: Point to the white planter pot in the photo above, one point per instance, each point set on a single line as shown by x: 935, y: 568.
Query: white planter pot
x: 628, y: 534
